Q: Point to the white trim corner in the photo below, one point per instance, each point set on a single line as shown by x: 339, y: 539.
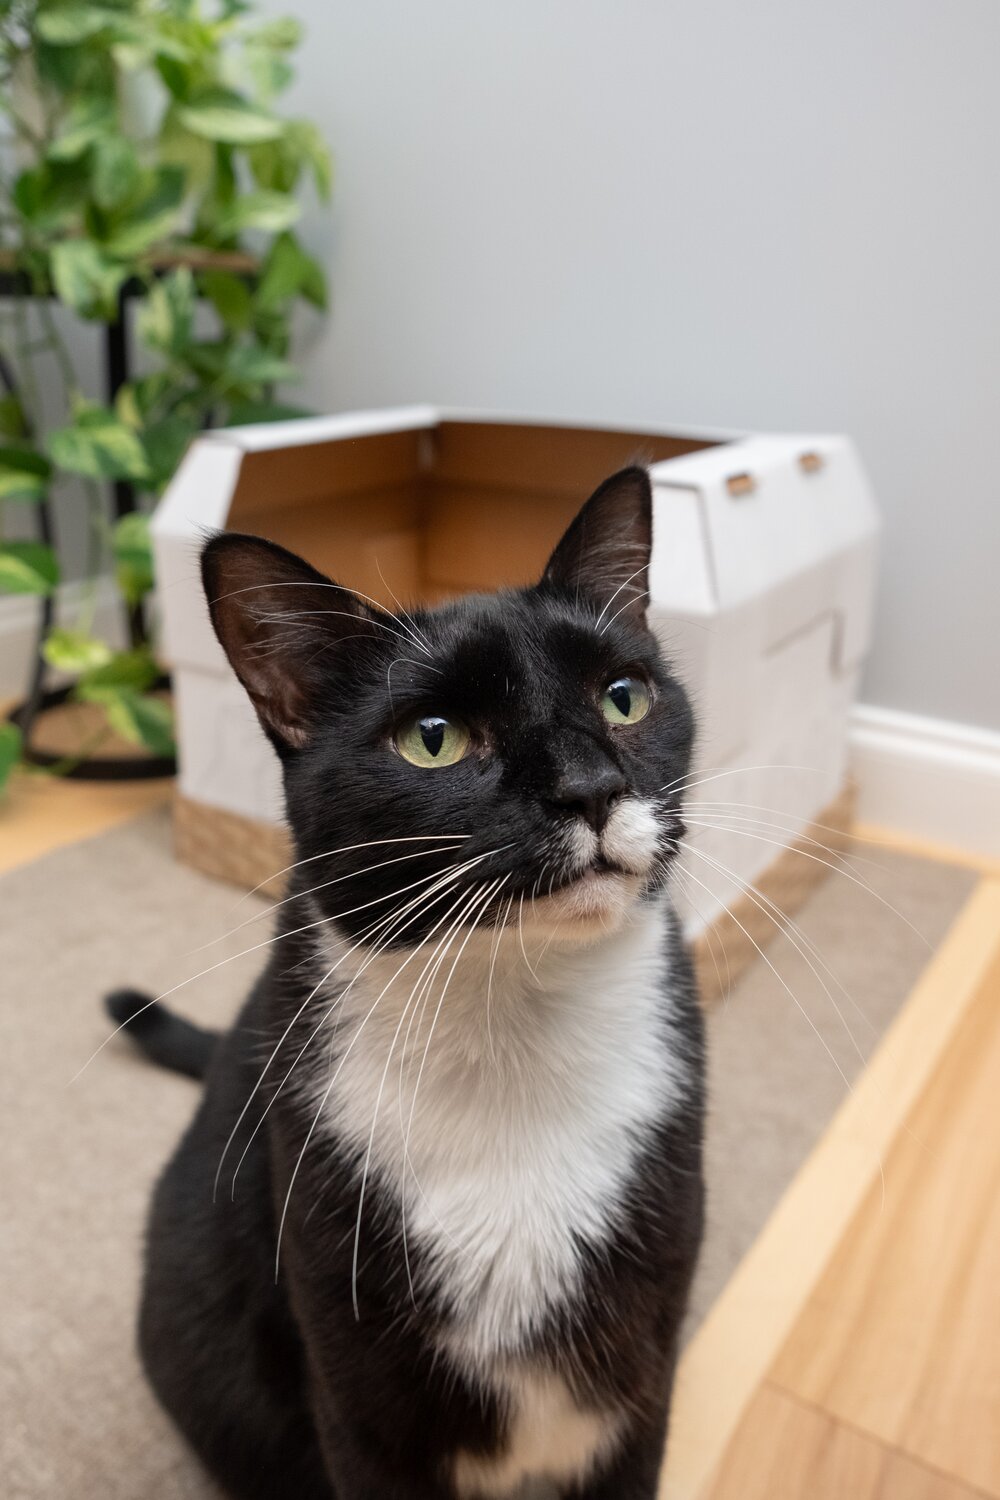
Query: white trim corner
x: 928, y: 778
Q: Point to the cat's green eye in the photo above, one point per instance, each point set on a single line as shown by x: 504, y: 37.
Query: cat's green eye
x: 432, y: 740
x: 625, y: 701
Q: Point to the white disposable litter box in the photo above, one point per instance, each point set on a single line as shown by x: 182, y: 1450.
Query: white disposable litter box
x: 761, y: 590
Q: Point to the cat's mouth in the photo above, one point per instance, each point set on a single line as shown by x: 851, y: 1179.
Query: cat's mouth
x: 599, y: 870
x: 599, y: 877
x: 592, y: 898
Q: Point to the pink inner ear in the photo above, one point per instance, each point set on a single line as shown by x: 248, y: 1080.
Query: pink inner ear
x: 277, y: 619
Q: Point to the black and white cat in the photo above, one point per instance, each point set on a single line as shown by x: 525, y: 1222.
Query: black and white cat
x: 456, y: 1253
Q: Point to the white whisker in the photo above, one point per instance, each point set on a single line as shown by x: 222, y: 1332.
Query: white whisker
x: 788, y: 991
x: 417, y: 632
x: 255, y: 948
x: 422, y: 838
x: 407, y: 1161
x: 617, y: 591
x: 640, y: 594
x: 378, y: 1102
x: 785, y: 924
x: 324, y: 885
x: 326, y: 1094
x: 683, y: 783
x: 394, y: 923
x: 838, y: 869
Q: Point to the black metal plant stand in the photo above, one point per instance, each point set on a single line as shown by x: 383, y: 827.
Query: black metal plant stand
x: 37, y: 696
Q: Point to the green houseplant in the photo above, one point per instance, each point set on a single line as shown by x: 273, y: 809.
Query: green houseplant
x: 145, y: 159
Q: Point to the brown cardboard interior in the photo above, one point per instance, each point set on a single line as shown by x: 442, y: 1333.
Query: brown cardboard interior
x: 439, y: 511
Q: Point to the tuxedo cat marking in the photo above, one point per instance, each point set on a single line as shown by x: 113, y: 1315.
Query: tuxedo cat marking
x: 457, y: 1125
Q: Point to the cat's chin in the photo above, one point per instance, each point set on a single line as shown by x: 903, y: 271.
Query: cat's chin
x: 593, y: 906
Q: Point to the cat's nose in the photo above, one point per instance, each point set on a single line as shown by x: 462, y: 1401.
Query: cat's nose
x: 589, y: 792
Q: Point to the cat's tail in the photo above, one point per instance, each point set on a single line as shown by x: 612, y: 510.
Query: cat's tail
x: 165, y: 1038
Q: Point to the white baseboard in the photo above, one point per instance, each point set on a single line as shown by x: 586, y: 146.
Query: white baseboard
x: 928, y: 778
x: 19, y: 627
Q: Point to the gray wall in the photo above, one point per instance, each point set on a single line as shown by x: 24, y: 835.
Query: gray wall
x: 774, y: 214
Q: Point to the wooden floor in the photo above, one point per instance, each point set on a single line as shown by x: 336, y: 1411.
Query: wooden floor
x: 39, y: 813
x: 855, y: 1354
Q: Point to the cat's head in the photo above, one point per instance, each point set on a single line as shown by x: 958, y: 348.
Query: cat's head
x: 504, y: 757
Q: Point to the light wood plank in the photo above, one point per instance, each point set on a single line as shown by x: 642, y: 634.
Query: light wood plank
x: 947, y: 854
x: 901, y: 1337
x: 40, y: 814
x: 735, y: 1347
x: 786, y: 1451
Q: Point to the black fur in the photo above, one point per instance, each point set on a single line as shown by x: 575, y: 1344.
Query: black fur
x: 280, y: 1387
x: 165, y: 1038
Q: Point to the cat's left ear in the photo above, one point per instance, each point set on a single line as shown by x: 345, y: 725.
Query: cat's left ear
x: 604, y: 556
x: 282, y: 625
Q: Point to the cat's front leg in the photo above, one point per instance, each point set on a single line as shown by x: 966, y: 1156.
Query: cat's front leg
x: 356, y: 1477
x: 367, y: 1461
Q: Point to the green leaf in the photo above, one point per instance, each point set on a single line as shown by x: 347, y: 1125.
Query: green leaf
x: 250, y: 365
x: 175, y: 75
x: 261, y: 210
x: 290, y: 272
x: 24, y: 474
x: 269, y: 73
x: 25, y: 459
x: 135, y: 669
x: 131, y: 56
x: 115, y: 173
x: 15, y: 485
x: 12, y: 419
x: 136, y: 401
x: 283, y: 35
x: 192, y: 153
x: 222, y: 115
x: 127, y: 407
x: 248, y: 413
x: 143, y: 721
x: 152, y: 219
x: 67, y: 25
x: 165, y: 443
x: 69, y: 69
x: 165, y: 319
x: 87, y: 279
x: 304, y: 140
x: 270, y: 168
x: 230, y: 296
x: 87, y: 121
x: 99, y: 445
x: 74, y: 651
x: 27, y: 568
x: 10, y: 751
x: 277, y: 165
x: 133, y: 554
x: 239, y: 368
x: 51, y: 197
x: 272, y: 330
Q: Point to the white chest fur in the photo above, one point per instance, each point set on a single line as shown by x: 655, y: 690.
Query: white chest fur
x: 508, y: 1134
x: 506, y: 1119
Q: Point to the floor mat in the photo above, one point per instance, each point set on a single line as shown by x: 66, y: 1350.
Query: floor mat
x: 78, y: 1155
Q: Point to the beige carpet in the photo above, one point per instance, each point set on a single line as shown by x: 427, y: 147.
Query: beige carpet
x: 77, y: 1159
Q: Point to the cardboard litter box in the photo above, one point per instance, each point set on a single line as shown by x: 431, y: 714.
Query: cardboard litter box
x: 761, y: 590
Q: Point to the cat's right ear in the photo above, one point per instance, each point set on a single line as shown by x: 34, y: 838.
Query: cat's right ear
x: 278, y: 619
